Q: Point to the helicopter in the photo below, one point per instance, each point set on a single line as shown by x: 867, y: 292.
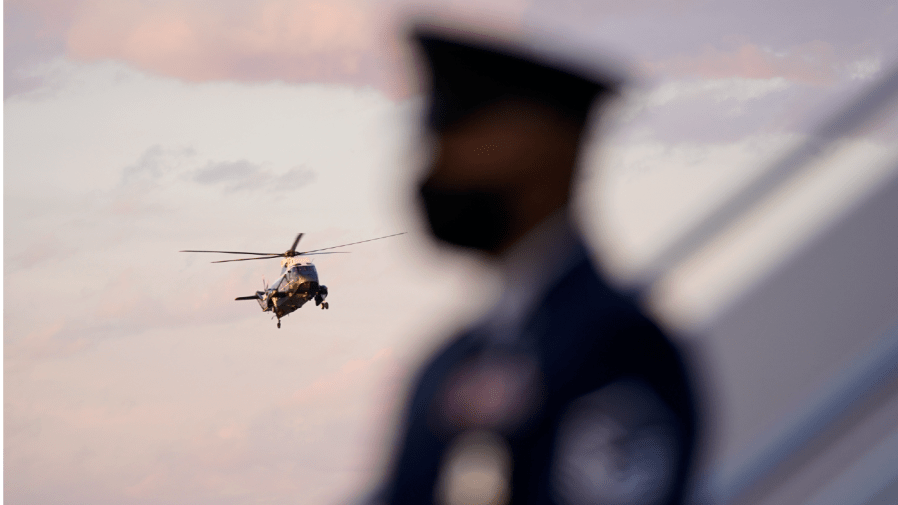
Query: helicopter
x: 298, y: 282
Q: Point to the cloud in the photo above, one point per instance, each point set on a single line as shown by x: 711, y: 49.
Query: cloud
x: 244, y: 176
x: 258, y: 40
x: 155, y: 163
x: 812, y: 62
x: 356, y: 42
x: 733, y: 91
x: 711, y: 110
x: 864, y: 69
x: 142, y: 180
x: 719, y: 90
x: 159, y: 168
x: 27, y: 42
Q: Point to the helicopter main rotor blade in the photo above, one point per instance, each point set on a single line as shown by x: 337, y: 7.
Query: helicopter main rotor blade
x: 352, y: 243
x: 331, y: 252
x: 293, y: 247
x: 238, y: 252
x: 248, y: 259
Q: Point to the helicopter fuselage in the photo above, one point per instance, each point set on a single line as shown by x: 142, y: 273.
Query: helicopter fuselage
x: 297, y: 285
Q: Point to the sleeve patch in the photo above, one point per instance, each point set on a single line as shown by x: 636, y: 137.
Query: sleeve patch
x: 616, y: 446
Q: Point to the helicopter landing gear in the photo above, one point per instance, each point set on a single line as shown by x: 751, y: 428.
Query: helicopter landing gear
x: 279, y: 323
x: 324, y: 306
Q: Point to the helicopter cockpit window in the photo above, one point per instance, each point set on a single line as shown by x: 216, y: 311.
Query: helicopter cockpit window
x: 302, y: 271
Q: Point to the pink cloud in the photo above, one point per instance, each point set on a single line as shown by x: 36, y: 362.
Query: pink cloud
x: 814, y: 62
x: 265, y: 39
x: 348, y: 41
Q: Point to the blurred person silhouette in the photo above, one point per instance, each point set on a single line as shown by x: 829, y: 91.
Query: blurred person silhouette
x: 565, y: 392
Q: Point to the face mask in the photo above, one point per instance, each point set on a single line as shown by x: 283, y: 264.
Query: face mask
x: 476, y: 219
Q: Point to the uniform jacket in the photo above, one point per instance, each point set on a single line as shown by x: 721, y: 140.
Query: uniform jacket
x: 597, y: 360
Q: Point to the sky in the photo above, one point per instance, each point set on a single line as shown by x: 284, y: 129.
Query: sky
x: 134, y: 129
